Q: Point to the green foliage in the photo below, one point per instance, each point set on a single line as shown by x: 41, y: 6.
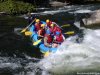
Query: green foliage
x: 15, y: 7
x: 24, y: 7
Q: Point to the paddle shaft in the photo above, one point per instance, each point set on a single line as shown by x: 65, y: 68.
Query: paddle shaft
x: 30, y: 24
x: 57, y: 25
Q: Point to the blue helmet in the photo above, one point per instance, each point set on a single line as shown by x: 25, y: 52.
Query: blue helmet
x: 57, y: 33
x: 48, y: 32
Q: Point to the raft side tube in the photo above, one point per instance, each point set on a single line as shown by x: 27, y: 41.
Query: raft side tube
x: 45, y: 49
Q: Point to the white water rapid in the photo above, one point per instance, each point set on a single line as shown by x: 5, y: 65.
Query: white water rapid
x: 75, y: 57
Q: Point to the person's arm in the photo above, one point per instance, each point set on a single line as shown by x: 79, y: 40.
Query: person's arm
x: 39, y: 33
x: 54, y: 40
x: 45, y: 42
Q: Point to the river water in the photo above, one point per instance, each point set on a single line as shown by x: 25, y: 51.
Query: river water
x: 17, y: 54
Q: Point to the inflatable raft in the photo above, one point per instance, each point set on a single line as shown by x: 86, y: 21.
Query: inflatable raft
x: 39, y: 42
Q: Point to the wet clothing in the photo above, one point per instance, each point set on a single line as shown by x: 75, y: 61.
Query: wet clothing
x: 56, y: 28
x: 48, y: 40
x: 59, y: 39
x: 41, y: 32
x: 53, y: 30
x: 37, y: 26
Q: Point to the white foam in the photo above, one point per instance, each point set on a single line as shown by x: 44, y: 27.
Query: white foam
x: 83, y: 11
x: 72, y: 56
x: 70, y: 9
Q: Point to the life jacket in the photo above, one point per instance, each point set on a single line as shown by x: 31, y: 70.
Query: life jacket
x: 49, y: 23
x: 51, y: 29
x: 50, y: 39
x: 37, y: 26
x: 42, y: 32
x: 56, y: 28
x: 59, y: 39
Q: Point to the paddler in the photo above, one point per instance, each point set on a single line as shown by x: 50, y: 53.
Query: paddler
x: 37, y: 25
x: 54, y: 28
x: 48, y: 23
x: 41, y: 31
x: 58, y: 38
x: 47, y: 47
x: 48, y: 39
x: 47, y: 42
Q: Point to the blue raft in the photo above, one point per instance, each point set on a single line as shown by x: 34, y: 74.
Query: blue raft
x: 41, y: 45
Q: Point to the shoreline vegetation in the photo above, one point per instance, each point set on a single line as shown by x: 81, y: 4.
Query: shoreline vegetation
x: 15, y: 7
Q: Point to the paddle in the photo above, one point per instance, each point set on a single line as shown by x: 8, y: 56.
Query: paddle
x: 69, y: 32
x: 57, y: 25
x: 28, y: 33
x: 66, y: 25
x: 46, y: 54
x: 28, y: 26
x: 37, y: 42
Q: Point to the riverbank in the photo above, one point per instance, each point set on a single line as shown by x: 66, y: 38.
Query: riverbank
x: 16, y: 7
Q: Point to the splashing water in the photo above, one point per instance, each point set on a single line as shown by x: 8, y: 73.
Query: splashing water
x: 75, y: 57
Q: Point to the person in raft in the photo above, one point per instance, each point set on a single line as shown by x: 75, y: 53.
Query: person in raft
x: 48, y: 23
x: 37, y: 25
x: 36, y: 29
x: 53, y: 28
x: 41, y: 31
x: 47, y: 42
x: 58, y: 39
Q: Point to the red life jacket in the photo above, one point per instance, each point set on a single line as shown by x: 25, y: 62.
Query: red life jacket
x: 49, y: 23
x: 49, y: 38
x: 59, y: 39
x: 42, y: 32
x: 37, y: 26
x: 56, y: 28
x: 51, y: 29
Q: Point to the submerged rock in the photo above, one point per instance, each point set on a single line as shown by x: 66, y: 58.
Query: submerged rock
x: 57, y: 4
x: 93, y: 19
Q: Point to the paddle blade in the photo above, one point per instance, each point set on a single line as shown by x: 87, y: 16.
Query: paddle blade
x: 46, y: 54
x: 69, y: 32
x: 66, y: 25
x: 23, y: 30
x: 28, y: 33
x: 37, y: 42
